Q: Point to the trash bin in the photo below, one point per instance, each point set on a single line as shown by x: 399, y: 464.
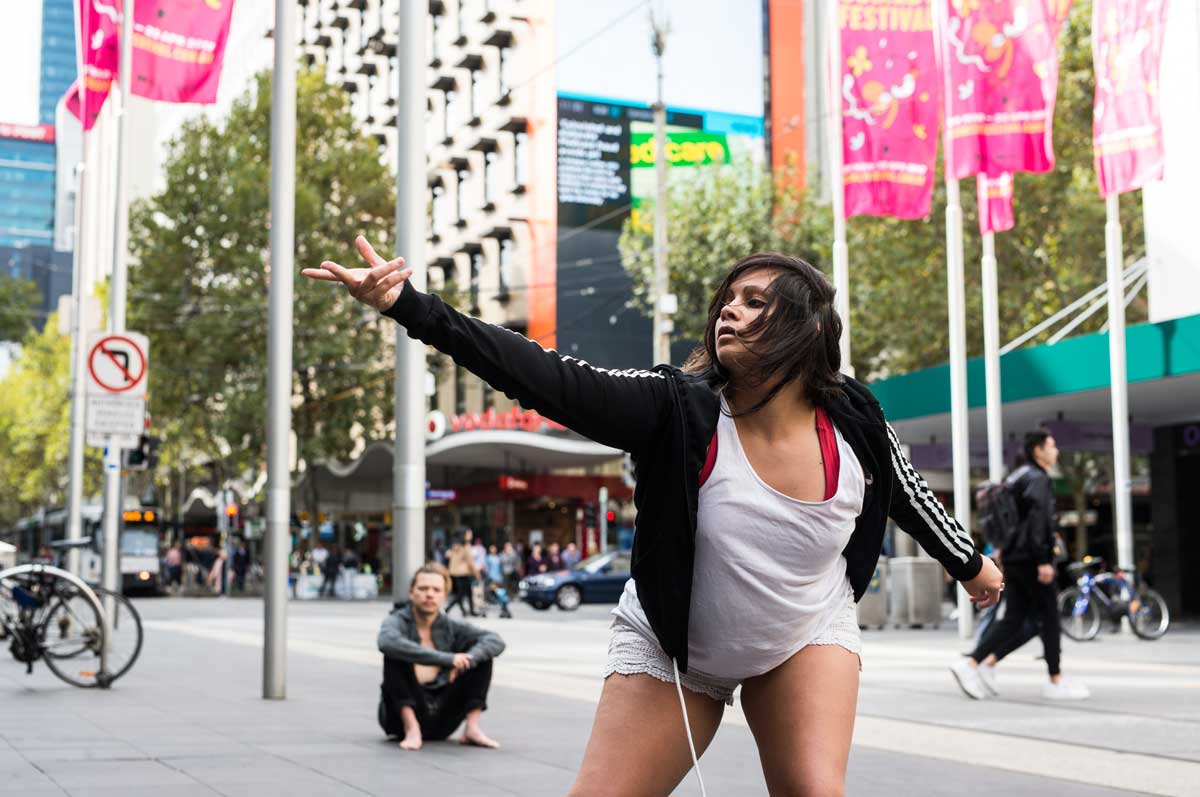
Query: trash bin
x: 873, y: 608
x: 916, y: 584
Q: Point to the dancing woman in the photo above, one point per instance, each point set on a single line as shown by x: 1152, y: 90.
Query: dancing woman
x: 765, y: 480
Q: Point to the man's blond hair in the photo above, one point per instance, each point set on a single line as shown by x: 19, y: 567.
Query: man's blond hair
x: 432, y: 568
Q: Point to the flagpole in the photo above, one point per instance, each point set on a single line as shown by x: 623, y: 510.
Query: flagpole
x: 75, y: 450
x: 1114, y: 259
x: 956, y: 308
x: 279, y: 353
x: 991, y: 356
x: 841, y: 254
x: 113, y: 479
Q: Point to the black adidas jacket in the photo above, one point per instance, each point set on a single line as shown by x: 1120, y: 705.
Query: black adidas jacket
x: 665, y: 419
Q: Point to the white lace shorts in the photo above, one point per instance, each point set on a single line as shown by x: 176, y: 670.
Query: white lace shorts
x: 630, y: 653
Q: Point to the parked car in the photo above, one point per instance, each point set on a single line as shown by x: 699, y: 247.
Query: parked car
x: 597, y: 579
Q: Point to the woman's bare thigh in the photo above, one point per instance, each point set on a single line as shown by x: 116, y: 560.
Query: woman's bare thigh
x: 802, y: 717
x: 638, y: 745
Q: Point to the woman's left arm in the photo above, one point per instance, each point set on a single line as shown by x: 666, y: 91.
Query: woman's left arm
x: 919, y: 512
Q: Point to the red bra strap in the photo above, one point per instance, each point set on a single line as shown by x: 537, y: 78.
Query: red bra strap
x: 710, y: 461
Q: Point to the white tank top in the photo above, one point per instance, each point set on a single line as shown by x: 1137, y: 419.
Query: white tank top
x: 769, y: 574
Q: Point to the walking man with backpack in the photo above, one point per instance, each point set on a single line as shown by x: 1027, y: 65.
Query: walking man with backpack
x: 1025, y: 538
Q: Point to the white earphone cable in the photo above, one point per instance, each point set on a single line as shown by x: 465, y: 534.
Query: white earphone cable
x: 687, y: 727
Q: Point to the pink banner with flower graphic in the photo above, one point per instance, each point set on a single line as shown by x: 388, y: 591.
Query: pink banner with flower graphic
x: 99, y: 25
x: 995, y: 195
x: 1001, y: 80
x: 178, y: 47
x: 888, y: 90
x: 1127, y: 37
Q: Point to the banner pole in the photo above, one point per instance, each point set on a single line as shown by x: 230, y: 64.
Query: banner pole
x: 1114, y: 260
x: 991, y: 358
x: 841, y: 254
x: 279, y: 354
x: 956, y: 308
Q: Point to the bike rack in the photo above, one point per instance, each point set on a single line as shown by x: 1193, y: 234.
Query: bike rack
x: 92, y: 598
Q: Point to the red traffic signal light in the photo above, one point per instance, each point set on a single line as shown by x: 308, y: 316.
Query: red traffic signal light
x: 610, y: 516
x: 231, y: 510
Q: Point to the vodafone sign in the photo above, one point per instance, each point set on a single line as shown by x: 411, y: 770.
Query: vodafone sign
x: 437, y: 425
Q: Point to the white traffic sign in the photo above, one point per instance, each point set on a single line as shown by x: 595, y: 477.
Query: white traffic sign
x: 117, y: 364
x: 115, y: 421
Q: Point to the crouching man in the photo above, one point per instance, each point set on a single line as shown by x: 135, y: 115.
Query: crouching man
x: 436, y: 671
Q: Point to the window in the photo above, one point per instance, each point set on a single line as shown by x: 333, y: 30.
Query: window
x: 502, y: 72
x: 489, y: 179
x: 460, y: 177
x: 450, y: 117
x: 506, y: 259
x: 435, y: 53
x: 520, y: 160
x: 476, y: 270
x: 475, y: 102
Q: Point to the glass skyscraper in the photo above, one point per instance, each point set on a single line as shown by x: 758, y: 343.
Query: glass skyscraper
x: 58, y: 55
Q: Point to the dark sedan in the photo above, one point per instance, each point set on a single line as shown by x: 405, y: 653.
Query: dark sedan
x: 597, y: 579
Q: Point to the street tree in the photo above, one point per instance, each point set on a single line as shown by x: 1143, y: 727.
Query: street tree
x: 19, y: 299
x: 200, y: 278
x: 898, y: 312
x: 35, y: 422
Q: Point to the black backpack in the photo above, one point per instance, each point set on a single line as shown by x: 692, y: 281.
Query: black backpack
x: 998, y: 514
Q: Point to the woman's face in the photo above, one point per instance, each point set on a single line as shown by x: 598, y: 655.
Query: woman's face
x: 744, y: 301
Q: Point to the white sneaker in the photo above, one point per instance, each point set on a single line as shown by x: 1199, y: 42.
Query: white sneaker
x: 968, y: 680
x: 987, y: 676
x: 1065, y: 690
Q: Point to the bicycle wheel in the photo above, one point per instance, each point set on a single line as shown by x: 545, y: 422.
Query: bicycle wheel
x: 1079, y: 618
x: 1148, y: 614
x: 70, y: 635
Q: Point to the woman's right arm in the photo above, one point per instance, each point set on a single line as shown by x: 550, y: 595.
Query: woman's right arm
x: 622, y: 409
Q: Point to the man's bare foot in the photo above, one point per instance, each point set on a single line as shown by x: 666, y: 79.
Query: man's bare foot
x: 412, y: 741
x: 477, y: 738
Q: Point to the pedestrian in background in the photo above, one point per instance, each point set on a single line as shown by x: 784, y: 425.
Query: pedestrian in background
x: 495, y: 572
x: 536, y: 563
x: 554, y: 560
x: 1029, y: 575
x: 570, y: 557
x: 510, y: 565
x: 333, y: 566
x: 807, y: 473
x: 462, y: 573
x: 241, y: 565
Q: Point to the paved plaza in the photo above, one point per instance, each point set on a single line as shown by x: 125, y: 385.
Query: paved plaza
x: 188, y: 720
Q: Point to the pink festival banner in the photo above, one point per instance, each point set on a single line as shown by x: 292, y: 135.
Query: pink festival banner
x: 1127, y: 37
x: 99, y: 25
x: 1001, y: 64
x: 888, y: 85
x: 178, y: 48
x: 995, y: 195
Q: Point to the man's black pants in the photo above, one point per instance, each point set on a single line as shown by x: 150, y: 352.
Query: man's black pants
x: 1025, y: 597
x: 439, y: 711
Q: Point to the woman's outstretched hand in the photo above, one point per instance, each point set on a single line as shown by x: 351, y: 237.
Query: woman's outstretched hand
x: 378, y: 285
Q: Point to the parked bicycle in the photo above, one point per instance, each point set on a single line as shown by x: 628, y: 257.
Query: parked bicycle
x: 1099, y: 594
x: 51, y: 615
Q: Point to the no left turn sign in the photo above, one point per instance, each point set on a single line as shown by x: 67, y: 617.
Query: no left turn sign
x: 117, y: 363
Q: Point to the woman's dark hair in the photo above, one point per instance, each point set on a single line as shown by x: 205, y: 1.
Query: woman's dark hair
x: 796, y: 337
x: 1035, y: 439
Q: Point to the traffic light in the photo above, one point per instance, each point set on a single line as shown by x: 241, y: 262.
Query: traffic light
x: 231, y: 515
x: 145, y: 455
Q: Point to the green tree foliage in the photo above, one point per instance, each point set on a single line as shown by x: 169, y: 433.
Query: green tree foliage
x: 35, y: 422
x: 898, y: 313
x: 19, y: 299
x: 200, y: 284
